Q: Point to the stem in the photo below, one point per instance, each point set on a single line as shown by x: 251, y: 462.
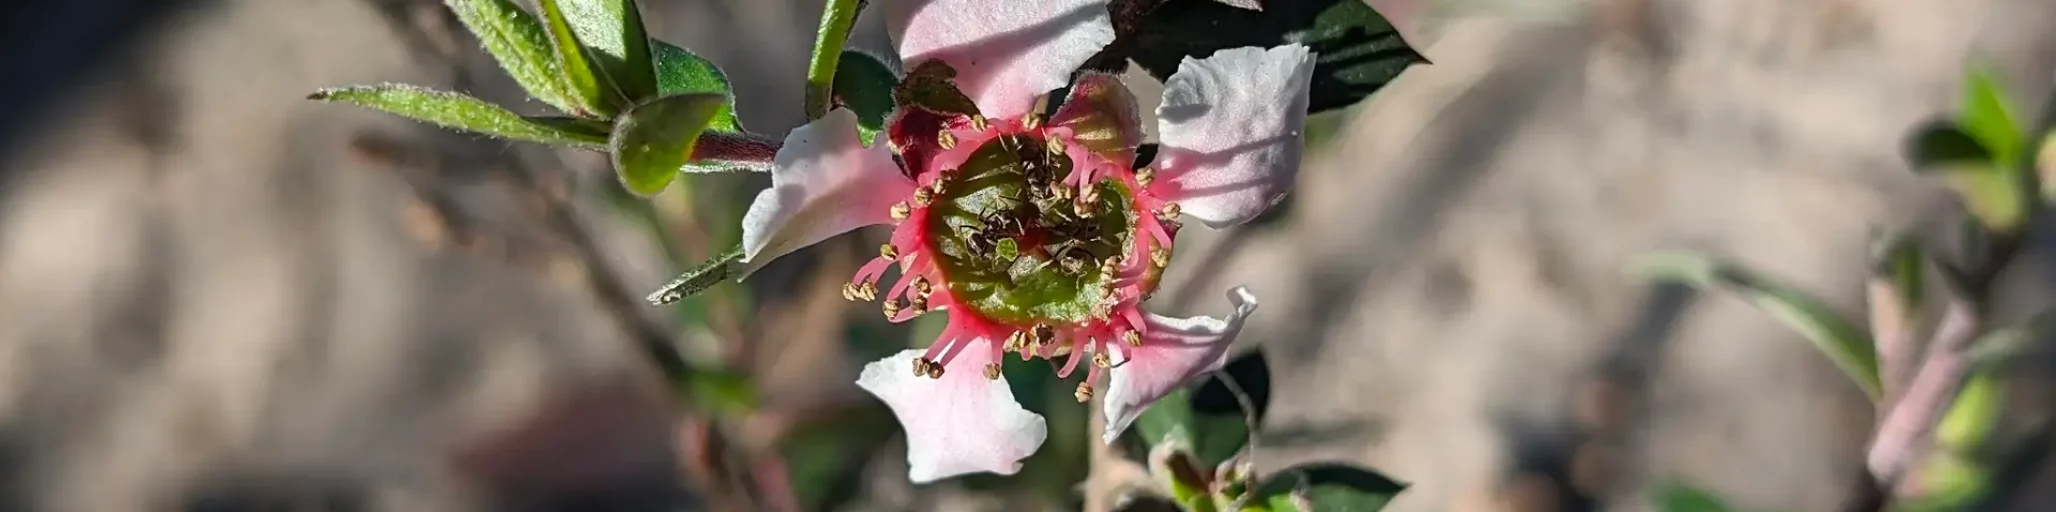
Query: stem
x: 735, y: 151
x: 836, y: 19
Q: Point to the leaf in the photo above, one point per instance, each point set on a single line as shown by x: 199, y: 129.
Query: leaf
x: 1988, y: 116
x: 725, y: 392
x: 1990, y: 189
x: 1848, y: 347
x: 519, y: 43
x: 1327, y: 487
x: 1208, y: 416
x: 1971, y: 416
x: 1683, y: 498
x: 653, y: 142
x: 864, y: 84
x: 458, y: 111
x: 618, y: 47
x: 1357, y: 50
x: 679, y: 71
x: 1941, y: 143
x: 578, y: 75
x: 697, y: 280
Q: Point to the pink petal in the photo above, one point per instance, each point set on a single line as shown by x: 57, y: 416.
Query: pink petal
x: 1006, y: 52
x: 1101, y: 115
x: 824, y: 182
x: 1174, y: 351
x: 1232, y: 127
x: 958, y: 424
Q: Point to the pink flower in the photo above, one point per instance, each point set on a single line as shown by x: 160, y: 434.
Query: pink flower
x: 1035, y: 236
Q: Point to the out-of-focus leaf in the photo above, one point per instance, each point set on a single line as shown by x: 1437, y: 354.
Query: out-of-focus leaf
x: 458, y: 111
x: 1990, y: 189
x: 2001, y: 345
x: 1357, y: 50
x: 1326, y: 487
x: 1972, y: 414
x: 864, y: 85
x: 1683, y: 498
x: 618, y: 47
x: 679, y: 71
x: 652, y: 142
x: 1988, y: 116
x: 697, y: 280
x: 519, y: 43
x: 1941, y: 143
x: 1172, y: 466
x: 1848, y: 347
x: 578, y: 74
x: 721, y: 391
x: 1951, y: 481
x: 1208, y: 417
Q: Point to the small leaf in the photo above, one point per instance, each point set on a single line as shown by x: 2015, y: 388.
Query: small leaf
x: 1326, y: 487
x: 697, y: 280
x: 578, y: 74
x: 864, y: 84
x: 1848, y: 347
x: 1970, y: 418
x: 1988, y: 116
x: 653, y: 142
x: 519, y: 43
x: 1941, y: 144
x: 721, y: 391
x: 1357, y: 50
x: 458, y: 111
x: 1990, y: 189
x: 1208, y: 416
x: 618, y: 47
x: 1682, y: 498
x: 679, y: 71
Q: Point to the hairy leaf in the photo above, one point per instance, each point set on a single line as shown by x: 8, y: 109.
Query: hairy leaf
x: 864, y: 85
x: 1357, y: 50
x: 1835, y: 336
x: 679, y: 71
x: 574, y: 69
x: 618, y: 47
x: 458, y: 111
x: 699, y: 279
x: 519, y: 43
x: 653, y: 142
x: 1327, y: 486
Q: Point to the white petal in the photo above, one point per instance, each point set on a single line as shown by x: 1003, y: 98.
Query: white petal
x: 824, y: 182
x: 958, y: 424
x: 1006, y: 52
x: 1175, y: 351
x: 1233, y: 125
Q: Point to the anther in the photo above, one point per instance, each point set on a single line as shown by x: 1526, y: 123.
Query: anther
x: 888, y: 252
x: 919, y: 305
x: 1170, y: 212
x: 935, y: 371
x: 921, y: 365
x: 1086, y: 206
x: 1107, y: 267
x: 978, y: 122
x: 1102, y: 360
x: 1059, y: 190
x: 991, y: 371
x: 1016, y: 342
x: 1054, y: 146
x: 946, y: 139
x: 849, y: 292
x: 1031, y: 121
x: 1084, y: 393
x: 1133, y: 338
x: 867, y: 291
x: 1160, y: 257
x: 922, y: 197
x: 1144, y: 176
x: 922, y: 287
x: 900, y: 211
x: 1044, y: 335
x: 941, y: 180
x: 892, y: 308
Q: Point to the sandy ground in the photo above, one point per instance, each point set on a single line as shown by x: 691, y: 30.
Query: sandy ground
x: 213, y: 291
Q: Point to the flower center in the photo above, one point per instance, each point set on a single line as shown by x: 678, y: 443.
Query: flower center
x: 1020, y: 245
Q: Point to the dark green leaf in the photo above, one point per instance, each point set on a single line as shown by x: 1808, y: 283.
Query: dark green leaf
x: 697, y: 280
x: 1680, y: 498
x: 1208, y: 417
x: 681, y: 72
x: 453, y: 110
x: 721, y: 391
x: 653, y: 142
x: 1940, y: 144
x: 1357, y: 50
x: 864, y: 85
x: 578, y: 74
x: 519, y: 43
x: 1327, y: 487
x: 1988, y: 116
x: 618, y: 47
x: 1989, y: 188
x: 1848, y: 347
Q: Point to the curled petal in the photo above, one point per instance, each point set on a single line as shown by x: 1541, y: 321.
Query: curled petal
x: 1005, y: 52
x: 1101, y: 115
x: 1174, y: 351
x: 1232, y: 126
x: 960, y: 423
x: 824, y: 182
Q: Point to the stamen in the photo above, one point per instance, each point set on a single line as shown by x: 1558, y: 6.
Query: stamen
x: 1031, y: 121
x: 921, y: 365
x: 1084, y: 393
x: 1170, y: 212
x: 919, y: 305
x: 991, y: 371
x: 1016, y: 342
x: 900, y: 211
x: 1044, y: 335
x: 1144, y: 176
x: 892, y: 308
x: 922, y: 288
x: 1060, y: 190
x: 946, y: 139
x: 923, y: 196
x: 978, y: 122
x: 889, y: 252
x: 1102, y: 360
x: 1133, y: 338
x: 1054, y: 146
x: 849, y: 292
x: 1160, y: 257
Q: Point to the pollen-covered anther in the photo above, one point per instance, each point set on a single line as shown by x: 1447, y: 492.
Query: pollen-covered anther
x: 1084, y: 393
x: 1031, y: 121
x: 1102, y: 360
x: 1144, y: 176
x: 1159, y: 257
x: 1044, y: 335
x: 867, y: 291
x: 978, y: 122
x: 1133, y: 338
x: 991, y: 371
x: 1059, y: 190
x: 888, y: 252
x: 900, y: 211
x: 946, y: 139
x: 1170, y: 212
x: 918, y: 305
x: 922, y: 365
x: 849, y: 291
x: 1054, y: 146
x: 1016, y: 342
x: 891, y: 307
x: 923, y: 196
x: 935, y: 371
x: 922, y: 288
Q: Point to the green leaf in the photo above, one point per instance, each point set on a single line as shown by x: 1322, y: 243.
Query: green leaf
x: 722, y: 391
x: 653, y: 142
x: 681, y: 72
x: 1942, y: 144
x: 824, y: 61
x: 1990, y: 189
x: 1682, y: 498
x: 579, y: 75
x: 1848, y: 347
x: 699, y: 279
x: 1327, y: 487
x: 618, y: 47
x: 864, y: 85
x: 1358, y: 50
x: 1208, y: 416
x: 458, y: 111
x: 519, y: 43
x: 1988, y: 116
x: 1971, y: 416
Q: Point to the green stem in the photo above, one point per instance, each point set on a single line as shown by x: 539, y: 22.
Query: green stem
x: 836, y: 19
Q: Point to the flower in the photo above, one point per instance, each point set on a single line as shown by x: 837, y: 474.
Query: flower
x: 1036, y: 236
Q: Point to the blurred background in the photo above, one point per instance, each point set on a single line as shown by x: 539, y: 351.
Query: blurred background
x: 216, y: 295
